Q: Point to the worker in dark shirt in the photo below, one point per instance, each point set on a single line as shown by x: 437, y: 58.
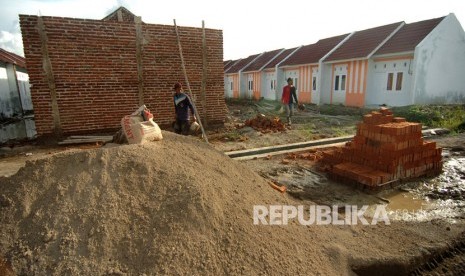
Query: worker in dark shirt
x: 288, y: 97
x: 182, y: 104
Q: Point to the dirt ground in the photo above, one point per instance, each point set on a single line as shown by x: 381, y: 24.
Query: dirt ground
x: 427, y: 231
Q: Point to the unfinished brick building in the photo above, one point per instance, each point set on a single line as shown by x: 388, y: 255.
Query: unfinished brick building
x: 87, y: 74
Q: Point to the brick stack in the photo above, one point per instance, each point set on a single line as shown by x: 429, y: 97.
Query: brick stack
x: 385, y: 149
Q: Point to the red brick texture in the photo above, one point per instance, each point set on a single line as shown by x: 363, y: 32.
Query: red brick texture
x: 95, y: 70
x: 385, y: 149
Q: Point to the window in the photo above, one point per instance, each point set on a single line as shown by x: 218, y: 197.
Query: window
x: 231, y: 85
x: 389, y: 81
x: 274, y: 84
x: 271, y: 82
x: 343, y: 82
x: 295, y: 83
x: 399, y: 81
x: 314, y: 84
x: 336, y: 84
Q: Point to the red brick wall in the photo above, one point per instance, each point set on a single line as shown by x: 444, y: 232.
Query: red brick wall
x: 95, y: 70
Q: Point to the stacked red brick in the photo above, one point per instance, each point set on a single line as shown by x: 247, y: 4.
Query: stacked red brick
x: 385, y: 149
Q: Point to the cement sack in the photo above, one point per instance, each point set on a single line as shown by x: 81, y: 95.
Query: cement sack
x: 137, y: 130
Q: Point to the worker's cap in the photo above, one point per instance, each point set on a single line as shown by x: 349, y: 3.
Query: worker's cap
x: 177, y: 85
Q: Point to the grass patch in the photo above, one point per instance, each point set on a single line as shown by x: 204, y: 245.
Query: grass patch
x: 451, y: 117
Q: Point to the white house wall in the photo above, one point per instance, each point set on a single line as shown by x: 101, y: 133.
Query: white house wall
x: 378, y: 92
x: 294, y: 74
x: 325, y: 84
x: 440, y: 65
x: 229, y: 85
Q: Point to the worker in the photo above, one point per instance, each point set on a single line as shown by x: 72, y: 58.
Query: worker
x: 288, y: 97
x: 182, y: 104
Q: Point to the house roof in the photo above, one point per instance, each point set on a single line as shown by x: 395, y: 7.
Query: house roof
x: 125, y: 15
x: 362, y: 43
x: 12, y: 58
x: 280, y: 58
x: 239, y: 65
x: 262, y: 60
x: 229, y: 64
x: 226, y: 62
x: 314, y: 52
x: 408, y: 37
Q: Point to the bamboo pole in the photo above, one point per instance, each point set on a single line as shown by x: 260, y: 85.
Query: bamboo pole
x: 204, y: 135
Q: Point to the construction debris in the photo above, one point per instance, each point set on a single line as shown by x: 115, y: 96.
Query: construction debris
x: 385, y: 149
x: 265, y: 124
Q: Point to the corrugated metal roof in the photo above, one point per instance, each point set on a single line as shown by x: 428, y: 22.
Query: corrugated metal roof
x: 239, y: 65
x: 280, y: 58
x: 314, y: 52
x: 362, y: 43
x: 408, y: 37
x: 12, y: 58
x: 262, y: 61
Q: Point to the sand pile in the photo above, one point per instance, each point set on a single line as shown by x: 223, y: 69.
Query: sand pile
x: 176, y: 206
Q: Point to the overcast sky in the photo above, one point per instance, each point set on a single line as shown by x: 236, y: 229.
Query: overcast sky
x: 249, y: 26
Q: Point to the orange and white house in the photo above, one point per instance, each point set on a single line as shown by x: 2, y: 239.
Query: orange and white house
x: 304, y: 67
x: 397, y: 64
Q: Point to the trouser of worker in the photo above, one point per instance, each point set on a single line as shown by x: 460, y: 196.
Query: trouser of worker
x: 181, y: 127
x: 289, y: 111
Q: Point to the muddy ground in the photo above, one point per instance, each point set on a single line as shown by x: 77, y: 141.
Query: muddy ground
x: 438, y: 200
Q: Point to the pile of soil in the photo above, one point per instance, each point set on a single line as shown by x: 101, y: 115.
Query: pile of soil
x: 176, y: 206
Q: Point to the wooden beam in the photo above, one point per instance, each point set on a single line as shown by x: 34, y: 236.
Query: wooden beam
x: 47, y: 65
x: 204, y: 75
x: 140, y: 69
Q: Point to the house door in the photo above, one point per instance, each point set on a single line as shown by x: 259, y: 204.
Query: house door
x: 229, y: 87
x: 339, y: 84
x: 270, y: 86
x: 314, y: 85
x: 250, y: 86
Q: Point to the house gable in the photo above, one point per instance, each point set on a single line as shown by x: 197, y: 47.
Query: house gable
x: 121, y: 14
x: 408, y: 37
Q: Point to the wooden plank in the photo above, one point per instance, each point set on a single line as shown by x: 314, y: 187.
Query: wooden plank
x: 90, y: 137
x: 83, y: 141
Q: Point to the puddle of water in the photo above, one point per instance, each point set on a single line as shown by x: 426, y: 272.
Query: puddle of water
x: 404, y: 201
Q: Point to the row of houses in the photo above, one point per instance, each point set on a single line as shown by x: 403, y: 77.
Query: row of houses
x: 396, y: 64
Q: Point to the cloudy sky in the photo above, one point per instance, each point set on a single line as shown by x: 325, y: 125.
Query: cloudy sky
x: 249, y: 26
